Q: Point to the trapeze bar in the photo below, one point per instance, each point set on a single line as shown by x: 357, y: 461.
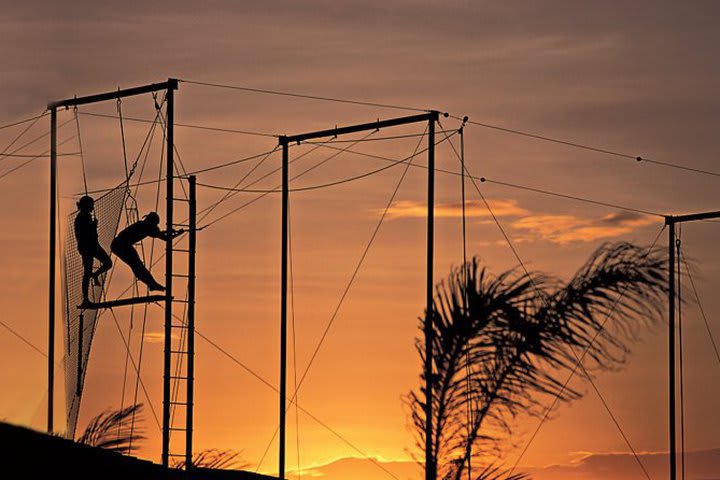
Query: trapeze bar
x: 128, y: 92
x: 121, y: 302
x: 670, y: 219
x: 423, y: 117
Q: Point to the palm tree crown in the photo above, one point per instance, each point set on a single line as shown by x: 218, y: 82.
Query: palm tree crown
x: 503, y: 346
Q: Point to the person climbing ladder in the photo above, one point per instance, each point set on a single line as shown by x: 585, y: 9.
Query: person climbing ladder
x: 122, y: 246
x: 88, y: 245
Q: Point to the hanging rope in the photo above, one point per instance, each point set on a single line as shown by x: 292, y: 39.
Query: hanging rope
x: 579, y: 359
x: 147, y: 146
x: 132, y: 215
x: 702, y: 312
x: 348, y: 286
x: 122, y: 136
x: 152, y: 252
x: 678, y: 243
x: 80, y: 146
x: 294, y: 344
x: 130, y: 203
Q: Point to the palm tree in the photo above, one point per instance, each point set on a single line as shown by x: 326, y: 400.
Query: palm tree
x: 505, y: 344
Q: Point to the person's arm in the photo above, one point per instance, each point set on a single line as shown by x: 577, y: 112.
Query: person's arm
x: 173, y: 233
x: 165, y: 235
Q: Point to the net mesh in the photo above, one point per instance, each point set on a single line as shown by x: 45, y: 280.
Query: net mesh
x: 108, y: 210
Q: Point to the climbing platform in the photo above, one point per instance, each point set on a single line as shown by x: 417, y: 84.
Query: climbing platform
x: 121, y: 302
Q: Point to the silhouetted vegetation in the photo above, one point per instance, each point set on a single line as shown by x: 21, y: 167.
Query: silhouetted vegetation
x: 505, y: 345
x: 217, y: 459
x: 113, y: 430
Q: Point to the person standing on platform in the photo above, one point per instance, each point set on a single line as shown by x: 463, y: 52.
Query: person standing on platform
x: 88, y: 245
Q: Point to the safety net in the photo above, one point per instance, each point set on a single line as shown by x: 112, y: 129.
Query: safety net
x: 79, y: 324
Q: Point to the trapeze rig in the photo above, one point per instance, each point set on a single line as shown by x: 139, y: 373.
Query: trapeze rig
x: 170, y: 323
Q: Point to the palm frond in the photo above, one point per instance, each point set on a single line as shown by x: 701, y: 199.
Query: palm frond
x: 215, y: 459
x: 503, y: 344
x: 114, y: 430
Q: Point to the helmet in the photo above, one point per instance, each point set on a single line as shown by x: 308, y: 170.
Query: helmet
x: 86, y: 202
x: 153, y: 217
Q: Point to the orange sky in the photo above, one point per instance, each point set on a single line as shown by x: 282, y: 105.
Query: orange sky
x: 638, y: 79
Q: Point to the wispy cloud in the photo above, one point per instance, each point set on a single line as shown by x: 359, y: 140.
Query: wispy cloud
x: 157, y: 337
x: 563, y: 229
x: 473, y: 209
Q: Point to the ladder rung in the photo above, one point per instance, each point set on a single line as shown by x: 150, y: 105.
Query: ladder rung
x: 177, y: 429
x: 178, y: 352
x: 180, y: 199
x: 182, y: 275
x: 181, y: 225
x: 180, y: 301
x: 178, y: 326
x: 184, y: 404
x: 182, y: 250
x: 176, y: 455
x: 175, y: 377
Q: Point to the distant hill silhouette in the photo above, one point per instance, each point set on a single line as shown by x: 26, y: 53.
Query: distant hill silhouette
x: 33, y: 454
x: 701, y: 465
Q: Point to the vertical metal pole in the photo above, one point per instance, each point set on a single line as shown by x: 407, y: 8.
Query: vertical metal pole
x: 671, y: 344
x: 191, y: 326
x: 168, y: 278
x: 51, y: 273
x: 283, y: 308
x: 430, y: 473
x: 81, y: 327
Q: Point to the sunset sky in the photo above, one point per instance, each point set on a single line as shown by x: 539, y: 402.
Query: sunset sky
x: 637, y: 78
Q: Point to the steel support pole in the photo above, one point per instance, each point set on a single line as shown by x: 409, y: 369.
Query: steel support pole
x: 191, y: 325
x: 430, y: 470
x: 671, y: 345
x: 81, y: 327
x: 283, y: 309
x: 170, y: 172
x: 51, y: 272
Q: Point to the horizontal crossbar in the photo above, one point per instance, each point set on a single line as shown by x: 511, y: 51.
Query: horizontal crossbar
x: 127, y: 92
x: 393, y: 122
x: 670, y: 219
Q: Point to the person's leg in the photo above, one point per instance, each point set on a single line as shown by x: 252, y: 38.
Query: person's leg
x: 87, y: 261
x: 138, y: 268
x: 105, y: 263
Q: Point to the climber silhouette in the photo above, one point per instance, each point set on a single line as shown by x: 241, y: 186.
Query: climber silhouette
x: 122, y: 246
x: 88, y: 245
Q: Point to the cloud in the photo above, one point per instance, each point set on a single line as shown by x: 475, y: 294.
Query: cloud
x: 564, y: 229
x: 473, y: 209
x: 157, y: 337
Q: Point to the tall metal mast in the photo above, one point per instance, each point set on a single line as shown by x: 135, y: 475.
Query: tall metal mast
x: 671, y: 221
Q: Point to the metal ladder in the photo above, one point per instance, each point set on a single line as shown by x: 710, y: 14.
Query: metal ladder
x: 180, y: 376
